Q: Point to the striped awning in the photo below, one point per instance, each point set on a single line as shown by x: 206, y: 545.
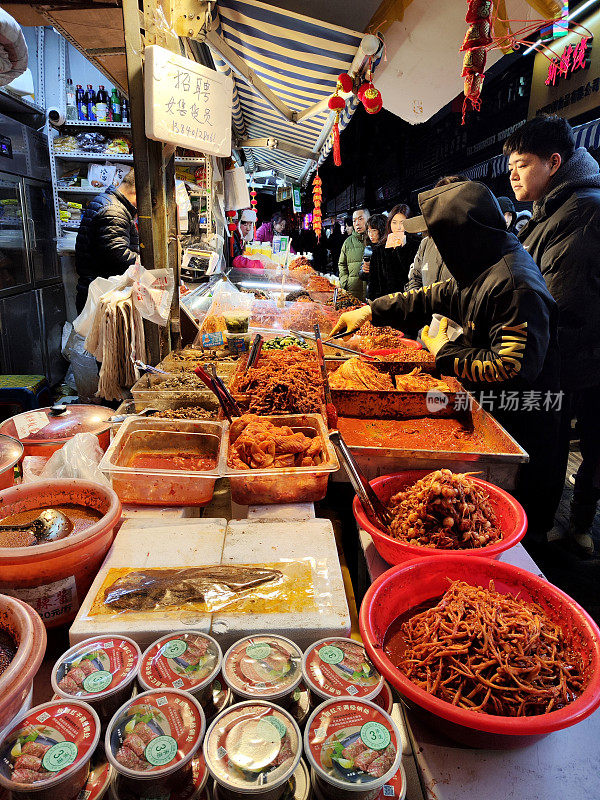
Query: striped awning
x: 299, y: 60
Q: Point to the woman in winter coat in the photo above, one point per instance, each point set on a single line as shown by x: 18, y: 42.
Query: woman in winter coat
x: 370, y: 270
x: 392, y: 260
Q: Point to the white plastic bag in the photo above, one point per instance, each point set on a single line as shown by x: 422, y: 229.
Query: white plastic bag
x: 78, y: 458
x: 153, y: 293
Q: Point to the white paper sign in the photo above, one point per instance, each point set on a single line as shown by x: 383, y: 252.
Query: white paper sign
x: 187, y: 104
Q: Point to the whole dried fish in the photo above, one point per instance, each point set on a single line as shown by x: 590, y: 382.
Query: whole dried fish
x: 144, y: 590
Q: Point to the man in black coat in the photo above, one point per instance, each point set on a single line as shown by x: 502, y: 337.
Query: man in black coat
x: 563, y: 237
x: 508, y: 349
x: 107, y: 241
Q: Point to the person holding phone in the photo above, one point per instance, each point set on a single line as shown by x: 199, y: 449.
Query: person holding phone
x: 393, y: 256
x: 371, y: 265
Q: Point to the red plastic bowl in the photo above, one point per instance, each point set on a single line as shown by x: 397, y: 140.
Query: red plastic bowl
x: 405, y: 587
x: 509, y: 513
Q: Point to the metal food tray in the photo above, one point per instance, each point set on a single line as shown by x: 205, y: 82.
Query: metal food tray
x: 395, y: 404
x: 225, y: 369
x: 132, y: 408
x: 149, y: 388
x: 499, y: 464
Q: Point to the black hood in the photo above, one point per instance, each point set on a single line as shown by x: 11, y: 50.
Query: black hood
x: 468, y: 227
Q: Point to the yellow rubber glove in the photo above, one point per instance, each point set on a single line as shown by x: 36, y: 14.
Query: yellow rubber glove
x: 352, y: 320
x: 435, y: 343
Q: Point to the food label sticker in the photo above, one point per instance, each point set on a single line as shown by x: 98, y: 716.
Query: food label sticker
x: 98, y: 681
x: 161, y: 751
x: 258, y: 651
x: 330, y: 654
x: 59, y: 756
x: 268, y: 731
x: 278, y: 725
x: 375, y: 735
x: 28, y: 424
x: 174, y: 649
x: 51, y: 601
x: 212, y: 339
x: 388, y: 791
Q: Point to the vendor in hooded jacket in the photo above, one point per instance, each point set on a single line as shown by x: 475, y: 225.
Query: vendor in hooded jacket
x: 509, y: 320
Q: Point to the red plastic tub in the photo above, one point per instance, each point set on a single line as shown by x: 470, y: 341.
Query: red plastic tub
x: 55, y: 577
x: 408, y: 585
x: 509, y: 512
x: 26, y: 628
x: 11, y: 451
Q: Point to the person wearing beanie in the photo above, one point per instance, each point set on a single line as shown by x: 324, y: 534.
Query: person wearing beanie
x: 243, y: 234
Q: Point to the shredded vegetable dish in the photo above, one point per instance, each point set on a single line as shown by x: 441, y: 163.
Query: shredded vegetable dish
x: 444, y: 510
x: 284, y: 381
x: 487, y: 652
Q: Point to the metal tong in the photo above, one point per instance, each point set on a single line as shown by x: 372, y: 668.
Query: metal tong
x: 221, y: 392
x: 329, y: 406
x: 147, y: 368
x: 326, y: 343
x: 335, y: 297
x: 373, y: 506
x: 255, y: 351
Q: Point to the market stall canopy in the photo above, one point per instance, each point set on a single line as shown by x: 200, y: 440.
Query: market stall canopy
x: 423, y: 69
x: 297, y: 60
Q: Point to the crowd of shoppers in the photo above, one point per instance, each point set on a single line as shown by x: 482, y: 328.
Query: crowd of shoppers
x: 525, y: 289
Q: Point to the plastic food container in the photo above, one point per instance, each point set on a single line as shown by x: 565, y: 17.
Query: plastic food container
x: 252, y: 748
x: 353, y: 747
x: 21, y: 622
x: 221, y: 697
x: 394, y: 787
x: 99, y: 778
x: 510, y: 515
x: 191, y: 787
x: 133, y: 408
x: 339, y: 667
x: 285, y: 484
x: 267, y: 667
x: 44, y: 431
x: 99, y: 671
x: 297, y: 787
x: 54, y: 578
x: 11, y: 451
x: 152, y: 739
x: 300, y: 706
x: 46, y: 755
x: 186, y: 660
x: 153, y: 462
x: 385, y: 698
x: 422, y: 580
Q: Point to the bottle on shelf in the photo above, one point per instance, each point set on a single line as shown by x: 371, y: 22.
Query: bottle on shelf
x: 125, y: 110
x: 71, y: 102
x: 115, y: 104
x: 102, y: 104
x: 80, y: 102
x: 90, y: 102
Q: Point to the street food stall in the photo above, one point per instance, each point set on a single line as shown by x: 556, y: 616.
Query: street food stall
x: 183, y: 624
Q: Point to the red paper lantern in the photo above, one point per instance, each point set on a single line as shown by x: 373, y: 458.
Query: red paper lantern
x: 345, y: 82
x: 372, y: 100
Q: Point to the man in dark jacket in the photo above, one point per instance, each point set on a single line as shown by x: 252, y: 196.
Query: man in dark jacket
x: 107, y: 241
x: 509, y: 343
x: 563, y: 237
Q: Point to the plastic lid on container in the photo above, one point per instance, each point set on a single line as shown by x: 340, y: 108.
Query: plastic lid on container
x: 252, y: 747
x: 189, y: 789
x: 96, y: 668
x: 155, y: 734
x: 352, y: 745
x: 43, y: 426
x: 187, y: 660
x: 11, y: 451
x: 265, y: 666
x: 338, y: 667
x: 48, y: 745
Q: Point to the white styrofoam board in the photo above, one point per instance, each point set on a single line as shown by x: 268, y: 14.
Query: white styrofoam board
x: 257, y: 542
x: 288, y: 511
x: 139, y: 545
x: 152, y: 512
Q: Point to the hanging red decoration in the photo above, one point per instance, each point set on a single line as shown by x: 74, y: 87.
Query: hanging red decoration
x: 478, y: 10
x: 372, y: 100
x: 317, y: 196
x: 336, y: 103
x: 346, y: 82
x: 231, y: 226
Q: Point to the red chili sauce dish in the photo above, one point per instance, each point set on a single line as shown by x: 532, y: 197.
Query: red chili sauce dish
x: 176, y: 461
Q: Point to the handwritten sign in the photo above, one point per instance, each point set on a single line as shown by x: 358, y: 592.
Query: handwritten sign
x: 187, y: 104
